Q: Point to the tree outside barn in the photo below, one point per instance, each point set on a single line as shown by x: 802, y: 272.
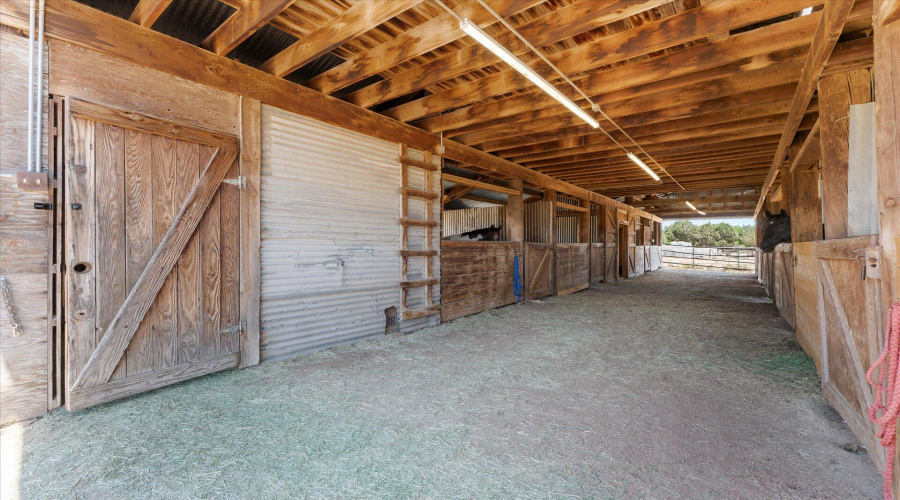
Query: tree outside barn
x: 721, y: 234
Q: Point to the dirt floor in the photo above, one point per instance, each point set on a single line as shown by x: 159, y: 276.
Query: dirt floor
x: 677, y: 384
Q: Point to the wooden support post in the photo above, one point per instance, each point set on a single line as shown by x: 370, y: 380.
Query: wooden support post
x: 515, y: 213
x: 250, y: 230
x: 584, y: 223
x: 550, y: 197
x: 887, y: 139
x: 834, y: 109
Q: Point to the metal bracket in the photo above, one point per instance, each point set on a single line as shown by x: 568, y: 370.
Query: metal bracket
x: 240, y: 182
x: 238, y: 328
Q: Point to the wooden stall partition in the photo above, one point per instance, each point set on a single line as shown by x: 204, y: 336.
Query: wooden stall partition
x: 572, y: 267
x: 632, y: 250
x: 783, y: 281
x: 765, y: 270
x: 806, y: 300
x: 597, y: 264
x: 477, y: 276
x: 610, y: 228
x: 153, y: 251
x: 655, y: 257
x: 539, y: 279
x: 849, y: 283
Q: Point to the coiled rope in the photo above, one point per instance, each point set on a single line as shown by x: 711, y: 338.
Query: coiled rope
x: 887, y: 398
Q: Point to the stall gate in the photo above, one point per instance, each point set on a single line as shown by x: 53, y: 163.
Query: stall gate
x: 849, y: 276
x: 783, y: 281
x: 611, y: 253
x: 477, y: 276
x: 573, y: 271
x: 539, y: 277
x: 153, y: 253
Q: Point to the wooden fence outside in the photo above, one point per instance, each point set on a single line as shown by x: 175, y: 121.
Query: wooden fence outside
x: 713, y: 258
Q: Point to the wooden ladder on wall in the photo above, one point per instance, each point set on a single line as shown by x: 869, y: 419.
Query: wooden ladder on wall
x: 428, y: 223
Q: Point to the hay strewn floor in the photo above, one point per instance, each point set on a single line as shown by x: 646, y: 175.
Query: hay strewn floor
x: 674, y: 385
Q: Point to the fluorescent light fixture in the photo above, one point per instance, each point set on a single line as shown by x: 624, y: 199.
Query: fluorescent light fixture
x: 805, y: 12
x: 694, y: 208
x: 643, y: 166
x: 484, y: 39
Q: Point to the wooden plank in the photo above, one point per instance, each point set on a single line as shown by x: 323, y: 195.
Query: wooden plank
x: 250, y: 230
x: 834, y: 16
x: 210, y: 279
x: 420, y: 223
x: 809, y: 152
x: 421, y: 313
x: 430, y: 35
x: 246, y: 21
x: 189, y: 158
x: 418, y: 253
x: 107, y: 354
x: 515, y: 212
x: 356, y: 20
x: 146, y: 12
x: 412, y: 162
x: 138, y: 236
x: 110, y: 266
x: 80, y: 249
x: 477, y: 184
x: 118, y: 389
x: 569, y: 206
x: 415, y: 283
x: 156, y: 126
x: 164, y: 312
x: 418, y: 193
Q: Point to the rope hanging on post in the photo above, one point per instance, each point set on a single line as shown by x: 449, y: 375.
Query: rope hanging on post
x: 887, y: 397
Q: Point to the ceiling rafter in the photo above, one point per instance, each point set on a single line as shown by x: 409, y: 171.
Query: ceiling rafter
x: 246, y: 21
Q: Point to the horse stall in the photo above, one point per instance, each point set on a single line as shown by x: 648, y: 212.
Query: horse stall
x: 477, y: 276
x: 540, y: 256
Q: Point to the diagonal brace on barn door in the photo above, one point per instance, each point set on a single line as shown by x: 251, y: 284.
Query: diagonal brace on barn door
x: 106, y: 356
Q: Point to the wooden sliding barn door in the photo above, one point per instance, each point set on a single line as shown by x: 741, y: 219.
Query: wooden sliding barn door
x: 632, y: 246
x: 152, y: 254
x: 849, y: 278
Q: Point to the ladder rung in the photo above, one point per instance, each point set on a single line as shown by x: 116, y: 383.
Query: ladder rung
x: 411, y: 284
x: 418, y: 253
x: 417, y: 222
x: 409, y: 162
x: 418, y: 313
x: 419, y: 193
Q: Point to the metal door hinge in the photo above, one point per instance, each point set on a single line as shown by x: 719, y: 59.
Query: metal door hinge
x: 240, y: 182
x: 238, y: 328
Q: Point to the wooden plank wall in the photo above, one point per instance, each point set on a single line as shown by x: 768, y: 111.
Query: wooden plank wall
x: 24, y: 249
x: 597, y: 253
x: 806, y: 301
x: 538, y: 270
x: 783, y: 281
x: 477, y: 276
x: 572, y: 267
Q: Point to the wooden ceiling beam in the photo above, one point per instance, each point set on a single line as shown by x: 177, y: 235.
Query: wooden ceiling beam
x: 243, y: 23
x: 355, y: 21
x: 732, y: 55
x: 809, y: 150
x: 428, y: 36
x: 146, y: 12
x: 744, y: 129
x: 558, y: 25
x: 698, y: 146
x: 669, y: 162
x: 829, y: 30
x: 696, y: 200
x: 708, y: 20
x: 87, y: 27
x: 752, y: 50
x: 618, y: 172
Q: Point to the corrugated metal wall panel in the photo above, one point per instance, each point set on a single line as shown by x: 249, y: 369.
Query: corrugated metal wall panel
x: 469, y: 219
x: 330, y: 234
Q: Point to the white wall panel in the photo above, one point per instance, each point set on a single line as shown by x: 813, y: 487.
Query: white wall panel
x: 330, y: 234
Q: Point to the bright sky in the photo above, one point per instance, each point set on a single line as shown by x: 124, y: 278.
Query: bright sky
x: 744, y: 221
